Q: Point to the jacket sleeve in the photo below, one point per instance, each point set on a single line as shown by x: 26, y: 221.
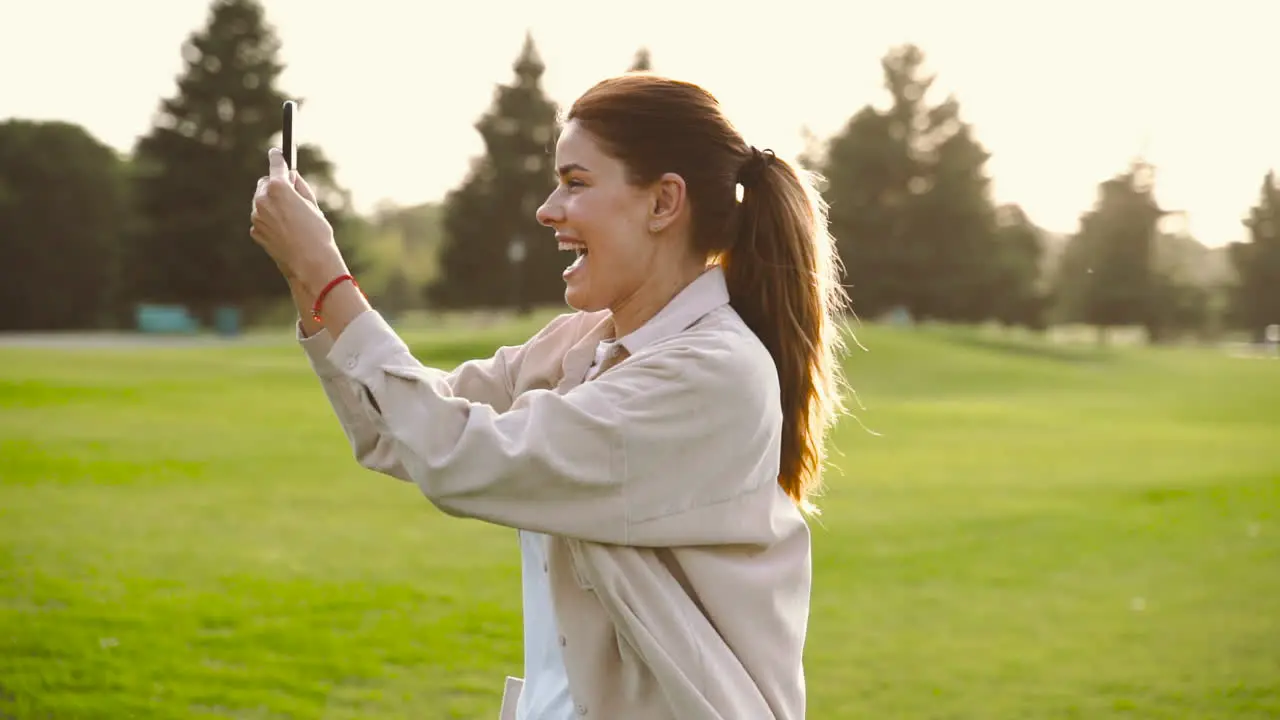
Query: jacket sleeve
x: 668, y: 431
x: 489, y: 381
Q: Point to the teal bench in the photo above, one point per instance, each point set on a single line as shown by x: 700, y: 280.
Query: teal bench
x: 165, y: 319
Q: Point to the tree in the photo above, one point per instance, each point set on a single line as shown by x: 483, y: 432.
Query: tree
x: 1256, y: 300
x: 63, y: 212
x: 1019, y: 296
x: 910, y: 204
x: 642, y: 62
x: 1181, y: 299
x: 957, y: 262
x: 399, y: 247
x: 1107, y: 275
x: 495, y: 252
x: 865, y: 189
x: 198, y: 166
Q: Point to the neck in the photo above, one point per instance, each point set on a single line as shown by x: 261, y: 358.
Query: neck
x: 639, y: 308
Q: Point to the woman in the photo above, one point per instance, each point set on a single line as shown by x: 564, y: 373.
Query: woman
x: 657, y: 447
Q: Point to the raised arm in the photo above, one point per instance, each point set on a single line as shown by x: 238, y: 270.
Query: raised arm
x: 673, y: 431
x: 489, y: 381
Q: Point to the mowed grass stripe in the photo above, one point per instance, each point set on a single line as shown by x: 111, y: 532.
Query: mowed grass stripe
x: 1012, y: 529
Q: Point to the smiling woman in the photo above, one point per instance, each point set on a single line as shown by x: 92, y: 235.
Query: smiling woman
x: 655, y: 448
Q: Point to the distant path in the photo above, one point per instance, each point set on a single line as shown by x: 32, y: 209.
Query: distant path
x: 106, y: 340
x: 1251, y: 351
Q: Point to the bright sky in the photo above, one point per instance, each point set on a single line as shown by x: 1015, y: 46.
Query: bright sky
x: 1062, y: 94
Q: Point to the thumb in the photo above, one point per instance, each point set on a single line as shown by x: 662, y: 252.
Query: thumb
x: 303, y: 188
x: 277, y: 168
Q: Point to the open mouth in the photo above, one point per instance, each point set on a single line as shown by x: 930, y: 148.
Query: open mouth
x: 579, y: 255
x: 575, y: 247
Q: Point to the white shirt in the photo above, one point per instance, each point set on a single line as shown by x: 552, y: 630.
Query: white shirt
x: 546, y: 682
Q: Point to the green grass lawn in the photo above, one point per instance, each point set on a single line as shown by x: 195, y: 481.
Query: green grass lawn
x: 1019, y: 531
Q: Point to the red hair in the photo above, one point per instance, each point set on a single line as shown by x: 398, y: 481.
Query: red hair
x: 778, y: 257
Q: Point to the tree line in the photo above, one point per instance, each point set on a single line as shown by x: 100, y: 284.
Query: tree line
x: 95, y: 233
x: 920, y: 237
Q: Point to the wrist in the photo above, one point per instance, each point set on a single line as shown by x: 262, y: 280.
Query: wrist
x: 340, y: 306
x: 320, y: 274
x: 303, y: 301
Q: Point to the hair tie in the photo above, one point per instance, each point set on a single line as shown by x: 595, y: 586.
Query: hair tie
x: 754, y: 167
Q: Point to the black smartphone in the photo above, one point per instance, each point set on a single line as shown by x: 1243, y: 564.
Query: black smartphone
x: 289, y: 144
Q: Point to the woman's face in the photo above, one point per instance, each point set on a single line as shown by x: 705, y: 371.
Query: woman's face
x: 603, y: 220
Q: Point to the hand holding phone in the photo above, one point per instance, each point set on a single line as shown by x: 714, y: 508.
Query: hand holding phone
x: 289, y: 144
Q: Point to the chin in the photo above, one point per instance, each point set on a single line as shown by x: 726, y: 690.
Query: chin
x: 582, y: 301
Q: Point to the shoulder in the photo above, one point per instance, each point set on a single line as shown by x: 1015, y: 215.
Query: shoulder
x: 699, y: 421
x: 720, y: 344
x: 720, y: 360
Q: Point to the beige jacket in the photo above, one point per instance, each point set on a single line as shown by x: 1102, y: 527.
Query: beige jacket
x: 680, y: 571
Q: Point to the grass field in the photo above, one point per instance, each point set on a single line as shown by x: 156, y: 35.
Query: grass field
x: 1035, y: 532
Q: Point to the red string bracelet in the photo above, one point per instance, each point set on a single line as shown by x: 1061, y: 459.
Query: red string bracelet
x: 315, y: 309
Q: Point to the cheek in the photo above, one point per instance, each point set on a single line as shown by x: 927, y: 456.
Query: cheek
x: 586, y: 216
x: 596, y: 222
x: 629, y: 262
x: 615, y: 229
x: 629, y: 231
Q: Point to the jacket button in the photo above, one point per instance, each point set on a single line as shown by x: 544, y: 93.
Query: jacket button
x: 582, y: 709
x: 351, y: 362
x: 563, y: 642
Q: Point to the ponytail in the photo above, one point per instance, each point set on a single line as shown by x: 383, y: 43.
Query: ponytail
x: 783, y: 276
x: 778, y: 258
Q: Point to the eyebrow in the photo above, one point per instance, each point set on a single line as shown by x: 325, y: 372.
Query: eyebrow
x: 570, y: 167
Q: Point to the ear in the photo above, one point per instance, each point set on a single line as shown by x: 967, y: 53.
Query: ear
x: 668, y: 201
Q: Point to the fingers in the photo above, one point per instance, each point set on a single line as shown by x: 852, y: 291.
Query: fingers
x: 278, y: 188
x: 276, y: 184
x: 303, y: 188
x: 256, y: 215
x: 275, y: 202
x: 265, y: 207
x: 255, y: 225
x: 257, y: 193
x: 277, y: 167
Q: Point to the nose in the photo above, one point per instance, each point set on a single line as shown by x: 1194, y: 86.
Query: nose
x: 550, y: 213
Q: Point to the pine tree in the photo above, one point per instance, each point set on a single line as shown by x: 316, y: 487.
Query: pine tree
x: 865, y: 186
x: 642, y: 62
x: 197, y: 168
x: 910, y: 203
x: 957, y: 270
x: 1020, y: 296
x: 1256, y: 303
x: 1107, y: 276
x: 1181, y: 300
x: 495, y: 252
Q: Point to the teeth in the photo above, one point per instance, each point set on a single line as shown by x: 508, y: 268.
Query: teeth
x: 566, y: 245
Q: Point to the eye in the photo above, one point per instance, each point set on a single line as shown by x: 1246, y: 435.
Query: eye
x: 575, y: 183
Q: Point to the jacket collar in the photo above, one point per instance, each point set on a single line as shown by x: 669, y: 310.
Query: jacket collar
x: 706, y: 293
